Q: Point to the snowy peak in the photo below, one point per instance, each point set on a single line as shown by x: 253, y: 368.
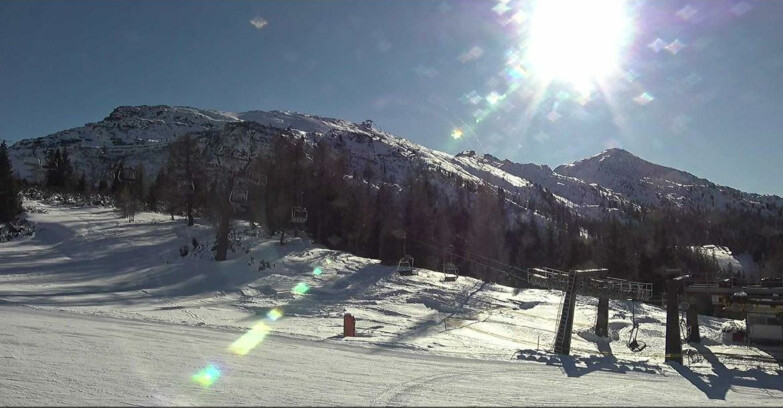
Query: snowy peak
x: 622, y: 164
x: 650, y: 184
x: 164, y: 112
x: 298, y: 121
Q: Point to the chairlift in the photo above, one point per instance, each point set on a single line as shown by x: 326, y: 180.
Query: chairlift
x: 633, y: 344
x: 299, y: 215
x: 405, y: 266
x: 127, y: 174
x: 238, y: 197
x: 47, y: 165
x: 450, y: 272
x: 186, y: 187
x: 257, y: 179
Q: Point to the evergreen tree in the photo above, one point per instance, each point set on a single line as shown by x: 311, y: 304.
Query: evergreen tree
x: 186, y: 166
x: 10, y: 201
x: 52, y: 167
x: 81, y: 185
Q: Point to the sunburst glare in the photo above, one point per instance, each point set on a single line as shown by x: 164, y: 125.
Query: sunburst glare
x: 577, y: 42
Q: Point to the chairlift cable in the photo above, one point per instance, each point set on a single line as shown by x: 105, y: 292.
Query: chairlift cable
x: 479, y: 256
x: 478, y: 263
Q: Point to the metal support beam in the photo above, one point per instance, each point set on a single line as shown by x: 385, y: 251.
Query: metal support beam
x: 692, y: 318
x: 602, y: 321
x: 673, y: 340
x: 566, y: 323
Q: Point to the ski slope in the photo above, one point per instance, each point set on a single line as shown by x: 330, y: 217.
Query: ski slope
x: 102, y: 311
x: 56, y: 358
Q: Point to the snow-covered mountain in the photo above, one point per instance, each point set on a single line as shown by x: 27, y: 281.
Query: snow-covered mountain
x: 141, y: 134
x: 593, y: 187
x: 573, y: 192
x: 131, y: 133
x: 650, y: 184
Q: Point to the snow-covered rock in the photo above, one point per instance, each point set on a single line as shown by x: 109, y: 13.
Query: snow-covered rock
x: 651, y: 184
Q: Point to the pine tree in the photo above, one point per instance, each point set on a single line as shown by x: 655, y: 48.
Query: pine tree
x: 81, y: 185
x: 52, y: 167
x: 10, y: 201
x: 66, y: 170
x: 186, y: 165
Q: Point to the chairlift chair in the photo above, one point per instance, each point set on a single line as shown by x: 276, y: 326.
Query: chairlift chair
x: 450, y: 272
x: 127, y: 174
x: 238, y: 197
x: 298, y: 215
x: 186, y: 187
x: 633, y: 344
x: 257, y: 179
x: 405, y: 266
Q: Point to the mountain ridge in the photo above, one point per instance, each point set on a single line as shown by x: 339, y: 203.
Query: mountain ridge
x: 592, y: 187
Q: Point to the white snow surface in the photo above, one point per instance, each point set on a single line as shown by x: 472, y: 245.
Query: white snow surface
x: 98, y: 310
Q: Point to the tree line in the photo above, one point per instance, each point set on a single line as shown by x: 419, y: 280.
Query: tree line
x: 426, y: 214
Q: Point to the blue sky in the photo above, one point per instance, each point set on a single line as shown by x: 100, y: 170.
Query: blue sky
x: 419, y: 69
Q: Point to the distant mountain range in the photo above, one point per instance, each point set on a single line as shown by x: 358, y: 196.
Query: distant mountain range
x: 612, y: 181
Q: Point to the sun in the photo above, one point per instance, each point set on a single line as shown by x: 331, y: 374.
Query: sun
x: 578, y: 42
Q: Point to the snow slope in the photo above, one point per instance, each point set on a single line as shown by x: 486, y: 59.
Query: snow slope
x: 87, y: 261
x: 53, y: 358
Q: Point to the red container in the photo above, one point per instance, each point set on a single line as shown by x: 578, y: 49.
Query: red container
x: 349, y: 325
x: 737, y: 337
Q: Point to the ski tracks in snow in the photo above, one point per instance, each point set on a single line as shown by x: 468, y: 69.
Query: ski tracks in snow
x: 193, y: 317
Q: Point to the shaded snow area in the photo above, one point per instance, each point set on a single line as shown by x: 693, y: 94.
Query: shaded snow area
x: 97, y: 310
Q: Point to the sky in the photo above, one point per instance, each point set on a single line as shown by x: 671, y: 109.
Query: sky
x: 694, y: 85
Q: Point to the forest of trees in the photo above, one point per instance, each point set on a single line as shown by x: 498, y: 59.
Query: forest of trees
x: 373, y: 215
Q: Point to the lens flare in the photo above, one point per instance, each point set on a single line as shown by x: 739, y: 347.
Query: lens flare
x: 456, y: 133
x: 250, y: 340
x: 207, y: 376
x: 576, y: 41
x: 493, y: 98
x: 643, y: 99
x: 301, y: 288
x: 317, y: 271
x: 274, y: 314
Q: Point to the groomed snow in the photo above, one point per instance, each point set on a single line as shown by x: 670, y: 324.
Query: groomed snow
x: 115, y: 315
